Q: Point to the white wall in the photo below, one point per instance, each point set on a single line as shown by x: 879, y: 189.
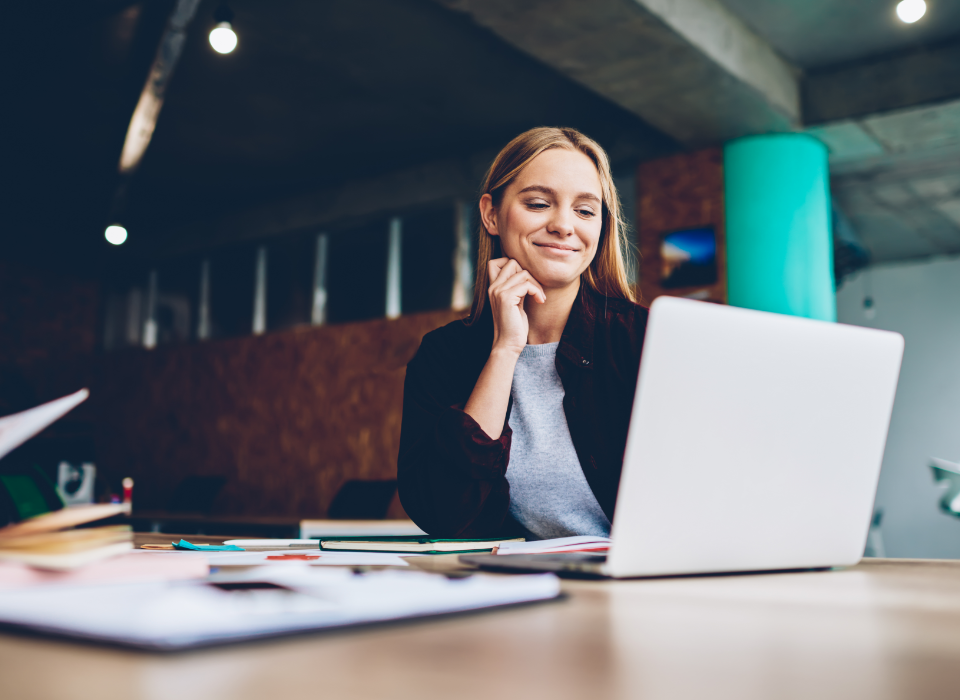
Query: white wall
x: 920, y: 300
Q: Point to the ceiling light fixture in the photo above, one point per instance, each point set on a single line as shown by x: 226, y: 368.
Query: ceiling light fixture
x: 115, y: 234
x: 909, y: 11
x: 222, y: 37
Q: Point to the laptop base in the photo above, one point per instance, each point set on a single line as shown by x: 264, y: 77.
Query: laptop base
x: 585, y: 565
x: 566, y: 564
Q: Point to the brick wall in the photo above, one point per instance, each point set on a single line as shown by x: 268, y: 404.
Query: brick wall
x: 286, y: 417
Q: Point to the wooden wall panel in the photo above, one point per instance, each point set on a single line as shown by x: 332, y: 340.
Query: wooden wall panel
x: 48, y: 324
x: 286, y: 417
x: 679, y: 192
x: 44, y: 315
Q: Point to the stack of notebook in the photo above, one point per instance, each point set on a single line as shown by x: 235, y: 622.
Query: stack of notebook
x: 412, y: 545
x: 51, y: 541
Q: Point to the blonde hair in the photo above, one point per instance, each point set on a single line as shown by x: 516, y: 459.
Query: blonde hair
x: 607, y: 272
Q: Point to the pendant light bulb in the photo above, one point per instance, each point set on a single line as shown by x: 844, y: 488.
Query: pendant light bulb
x: 223, y: 39
x: 115, y: 234
x: 909, y: 11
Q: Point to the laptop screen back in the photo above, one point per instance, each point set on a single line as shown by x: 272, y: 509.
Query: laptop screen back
x: 755, y: 442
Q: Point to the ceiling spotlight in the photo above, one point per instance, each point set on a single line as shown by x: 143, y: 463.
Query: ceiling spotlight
x: 115, y: 234
x: 222, y: 37
x: 909, y: 11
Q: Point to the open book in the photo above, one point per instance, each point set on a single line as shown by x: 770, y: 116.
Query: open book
x: 48, y: 541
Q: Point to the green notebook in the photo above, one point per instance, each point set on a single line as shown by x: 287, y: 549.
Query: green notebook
x: 411, y: 545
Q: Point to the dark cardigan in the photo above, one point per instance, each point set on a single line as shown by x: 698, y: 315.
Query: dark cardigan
x: 452, y: 475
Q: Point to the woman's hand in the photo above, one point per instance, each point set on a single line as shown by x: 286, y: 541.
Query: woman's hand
x: 510, y: 284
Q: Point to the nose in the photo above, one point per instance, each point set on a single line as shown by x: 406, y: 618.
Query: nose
x: 561, y: 223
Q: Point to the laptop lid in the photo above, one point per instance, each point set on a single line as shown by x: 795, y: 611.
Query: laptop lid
x: 755, y: 442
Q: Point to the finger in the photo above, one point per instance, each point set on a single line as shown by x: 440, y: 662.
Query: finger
x: 506, y: 268
x: 525, y: 277
x: 494, y: 268
x: 533, y: 289
x: 515, y: 293
x: 505, y: 273
x: 511, y: 286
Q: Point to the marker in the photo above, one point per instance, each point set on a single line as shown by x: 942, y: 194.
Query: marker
x: 128, y: 493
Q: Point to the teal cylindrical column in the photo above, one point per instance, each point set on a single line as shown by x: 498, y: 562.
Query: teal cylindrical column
x: 778, y: 226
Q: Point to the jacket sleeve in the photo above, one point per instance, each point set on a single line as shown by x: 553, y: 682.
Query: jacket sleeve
x: 451, y: 474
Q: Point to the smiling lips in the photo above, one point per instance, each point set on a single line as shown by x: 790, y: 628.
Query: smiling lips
x: 557, y: 247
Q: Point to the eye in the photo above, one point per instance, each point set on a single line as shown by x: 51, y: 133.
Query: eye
x: 586, y: 212
x: 537, y: 206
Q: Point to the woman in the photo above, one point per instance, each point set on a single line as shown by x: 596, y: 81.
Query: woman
x: 515, y: 420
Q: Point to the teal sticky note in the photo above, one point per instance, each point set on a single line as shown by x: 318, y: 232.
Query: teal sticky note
x: 183, y: 544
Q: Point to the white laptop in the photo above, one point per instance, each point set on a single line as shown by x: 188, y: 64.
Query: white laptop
x: 755, y: 444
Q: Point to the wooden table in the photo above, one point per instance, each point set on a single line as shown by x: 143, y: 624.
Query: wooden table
x: 883, y: 629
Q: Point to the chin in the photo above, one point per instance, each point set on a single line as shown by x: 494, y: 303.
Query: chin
x: 553, y: 278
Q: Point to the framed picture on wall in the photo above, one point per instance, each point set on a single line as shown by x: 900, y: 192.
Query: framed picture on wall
x: 688, y: 258
x: 680, y: 230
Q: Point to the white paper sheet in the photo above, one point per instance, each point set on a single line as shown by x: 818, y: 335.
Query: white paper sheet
x: 186, y: 614
x: 559, y: 544
x: 265, y: 544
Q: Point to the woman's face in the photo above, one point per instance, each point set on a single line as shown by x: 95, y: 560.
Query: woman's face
x: 550, y: 217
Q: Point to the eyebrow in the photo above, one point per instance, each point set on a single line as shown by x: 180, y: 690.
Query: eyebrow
x: 547, y: 190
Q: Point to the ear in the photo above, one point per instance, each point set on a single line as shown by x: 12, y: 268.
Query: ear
x: 488, y: 215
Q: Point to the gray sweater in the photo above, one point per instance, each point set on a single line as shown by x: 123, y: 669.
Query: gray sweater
x: 549, y: 494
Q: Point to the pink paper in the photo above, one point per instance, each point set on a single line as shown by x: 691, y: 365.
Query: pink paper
x: 135, y: 566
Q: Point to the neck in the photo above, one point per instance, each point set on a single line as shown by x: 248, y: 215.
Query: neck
x: 548, y: 320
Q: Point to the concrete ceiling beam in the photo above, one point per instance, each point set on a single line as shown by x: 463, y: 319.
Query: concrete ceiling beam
x: 690, y: 68
x: 923, y: 76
